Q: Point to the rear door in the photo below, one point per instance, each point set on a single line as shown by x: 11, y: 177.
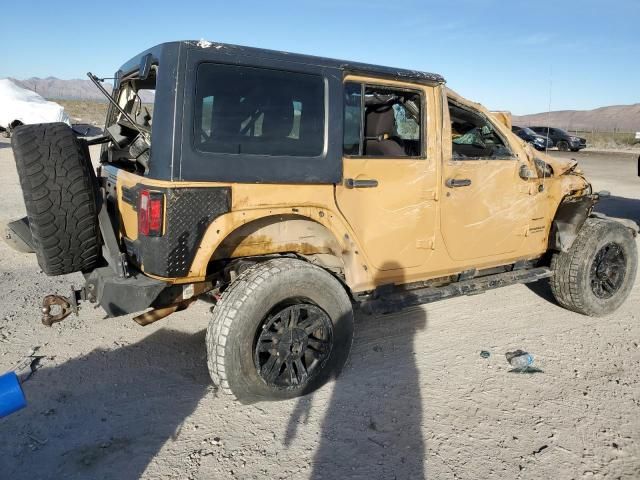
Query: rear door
x: 389, y: 169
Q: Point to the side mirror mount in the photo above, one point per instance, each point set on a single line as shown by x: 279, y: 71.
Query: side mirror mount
x: 526, y: 173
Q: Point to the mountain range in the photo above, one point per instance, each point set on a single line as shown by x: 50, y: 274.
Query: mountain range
x: 620, y: 118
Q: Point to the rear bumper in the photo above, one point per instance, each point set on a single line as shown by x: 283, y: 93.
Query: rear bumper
x: 121, y: 296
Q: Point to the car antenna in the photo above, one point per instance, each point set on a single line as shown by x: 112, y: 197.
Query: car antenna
x: 546, y: 140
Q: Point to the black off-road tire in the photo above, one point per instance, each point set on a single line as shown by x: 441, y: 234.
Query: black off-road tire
x: 59, y: 189
x: 244, y: 310
x: 575, y: 271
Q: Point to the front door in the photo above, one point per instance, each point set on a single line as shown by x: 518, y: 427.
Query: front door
x: 387, y: 195
x: 485, y: 204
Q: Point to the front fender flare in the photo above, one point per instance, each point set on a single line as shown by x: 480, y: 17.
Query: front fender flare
x: 570, y: 216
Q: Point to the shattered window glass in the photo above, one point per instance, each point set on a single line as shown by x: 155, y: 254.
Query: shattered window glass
x: 473, y: 137
x: 406, y: 126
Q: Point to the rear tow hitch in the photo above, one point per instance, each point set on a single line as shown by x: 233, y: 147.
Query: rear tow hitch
x: 56, y: 308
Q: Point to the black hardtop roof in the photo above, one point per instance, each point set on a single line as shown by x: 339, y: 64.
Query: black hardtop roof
x: 238, y: 50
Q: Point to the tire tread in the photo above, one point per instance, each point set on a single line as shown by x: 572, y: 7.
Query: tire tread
x: 58, y: 186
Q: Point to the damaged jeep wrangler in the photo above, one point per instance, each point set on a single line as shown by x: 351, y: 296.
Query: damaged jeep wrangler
x: 287, y: 190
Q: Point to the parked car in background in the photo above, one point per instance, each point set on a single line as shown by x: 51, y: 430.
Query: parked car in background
x: 561, y: 139
x: 540, y: 142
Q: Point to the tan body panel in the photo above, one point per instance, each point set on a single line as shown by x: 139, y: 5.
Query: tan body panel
x: 410, y: 228
x: 503, y: 117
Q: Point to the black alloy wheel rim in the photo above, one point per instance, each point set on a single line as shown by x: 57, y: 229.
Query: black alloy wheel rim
x: 608, y: 271
x: 292, y: 345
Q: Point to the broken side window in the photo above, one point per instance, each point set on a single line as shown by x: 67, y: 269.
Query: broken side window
x: 473, y: 137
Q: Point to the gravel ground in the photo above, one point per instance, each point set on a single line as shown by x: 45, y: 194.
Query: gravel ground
x: 116, y: 400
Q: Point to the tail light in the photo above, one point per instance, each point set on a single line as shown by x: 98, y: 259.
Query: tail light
x: 150, y: 213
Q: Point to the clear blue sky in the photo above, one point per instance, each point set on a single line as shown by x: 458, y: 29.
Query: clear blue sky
x: 500, y: 53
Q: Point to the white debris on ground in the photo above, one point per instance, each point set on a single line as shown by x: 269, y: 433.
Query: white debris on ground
x: 18, y: 103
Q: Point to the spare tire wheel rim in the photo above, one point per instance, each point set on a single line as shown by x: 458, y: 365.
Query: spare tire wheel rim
x: 608, y: 271
x: 293, y: 345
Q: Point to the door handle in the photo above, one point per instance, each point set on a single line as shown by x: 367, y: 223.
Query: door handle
x: 353, y: 183
x: 457, y: 182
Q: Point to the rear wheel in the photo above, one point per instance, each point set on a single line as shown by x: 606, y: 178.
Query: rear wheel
x: 58, y: 186
x: 597, y: 273
x: 281, y: 330
x: 563, y: 146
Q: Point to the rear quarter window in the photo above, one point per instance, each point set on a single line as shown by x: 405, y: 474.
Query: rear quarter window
x: 258, y: 111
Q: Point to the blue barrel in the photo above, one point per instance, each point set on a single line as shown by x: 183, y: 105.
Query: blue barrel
x: 11, y: 396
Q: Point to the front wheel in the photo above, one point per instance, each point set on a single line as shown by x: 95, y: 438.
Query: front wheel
x: 575, y: 149
x: 281, y: 330
x: 597, y: 273
x: 563, y: 146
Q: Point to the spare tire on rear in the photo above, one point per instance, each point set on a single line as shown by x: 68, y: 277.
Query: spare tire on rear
x: 59, y: 190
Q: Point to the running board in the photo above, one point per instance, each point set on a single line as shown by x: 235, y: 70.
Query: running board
x: 396, y: 301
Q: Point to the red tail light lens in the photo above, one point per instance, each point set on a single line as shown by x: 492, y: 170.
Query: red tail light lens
x: 150, y: 213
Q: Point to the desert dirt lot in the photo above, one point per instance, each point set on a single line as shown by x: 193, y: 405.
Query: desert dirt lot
x: 116, y: 400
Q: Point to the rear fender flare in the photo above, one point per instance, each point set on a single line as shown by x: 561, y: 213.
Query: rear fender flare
x: 311, y: 232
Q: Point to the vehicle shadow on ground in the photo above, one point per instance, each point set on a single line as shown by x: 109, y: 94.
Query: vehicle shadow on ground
x: 543, y: 290
x: 108, y: 413
x: 620, y: 207
x: 5, y: 145
x: 372, y: 427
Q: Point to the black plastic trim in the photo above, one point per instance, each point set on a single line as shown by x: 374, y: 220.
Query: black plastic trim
x: 120, y: 296
x: 189, y: 212
x: 570, y: 216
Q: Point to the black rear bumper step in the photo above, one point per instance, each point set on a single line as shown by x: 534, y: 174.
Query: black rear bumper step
x: 397, y: 300
x: 18, y: 235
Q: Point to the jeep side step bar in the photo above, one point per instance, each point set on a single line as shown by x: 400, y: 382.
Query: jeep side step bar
x: 397, y: 300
